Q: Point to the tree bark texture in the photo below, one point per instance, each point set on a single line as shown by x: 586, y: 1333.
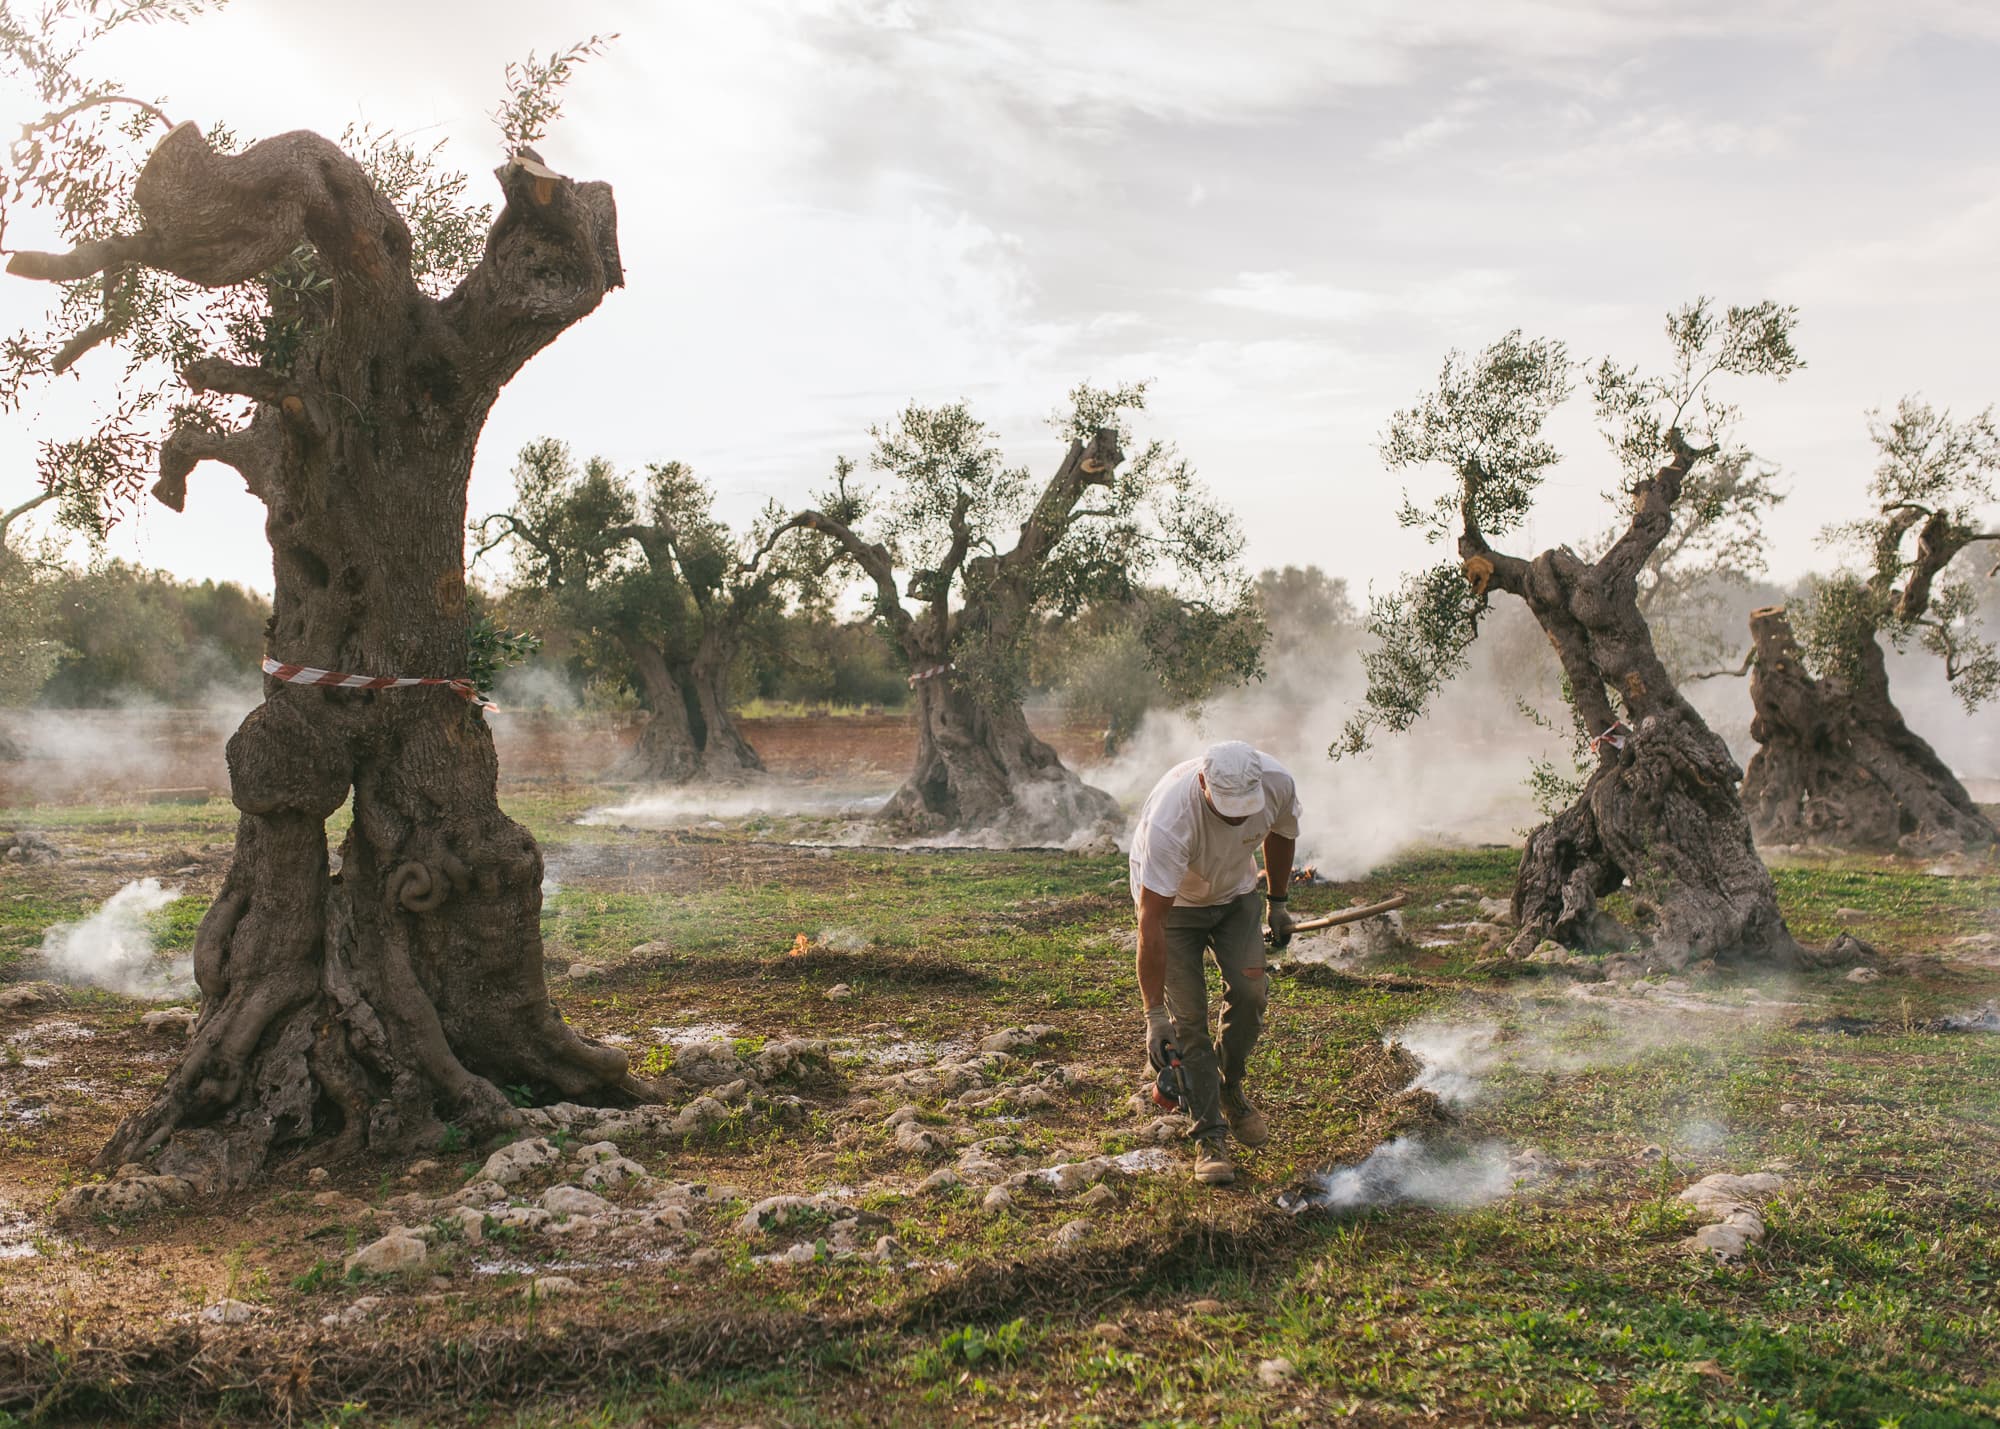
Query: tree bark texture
x: 1836, y: 766
x: 363, y: 1007
x: 1660, y: 813
x: 691, y: 734
x: 982, y: 767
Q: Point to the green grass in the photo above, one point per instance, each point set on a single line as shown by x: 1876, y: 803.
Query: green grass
x: 1875, y: 1299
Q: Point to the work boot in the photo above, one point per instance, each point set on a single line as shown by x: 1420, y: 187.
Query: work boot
x: 1211, y: 1162
x: 1246, y: 1123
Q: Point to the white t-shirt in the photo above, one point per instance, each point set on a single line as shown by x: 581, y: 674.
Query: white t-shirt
x: 1182, y: 847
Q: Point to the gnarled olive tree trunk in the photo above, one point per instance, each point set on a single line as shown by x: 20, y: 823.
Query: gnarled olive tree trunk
x: 979, y: 766
x: 1836, y: 765
x: 363, y: 1008
x: 1660, y: 812
x: 691, y: 734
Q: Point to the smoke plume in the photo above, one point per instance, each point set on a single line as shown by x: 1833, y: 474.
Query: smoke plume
x: 113, y: 948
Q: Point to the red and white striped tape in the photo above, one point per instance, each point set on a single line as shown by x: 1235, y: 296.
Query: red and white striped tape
x: 930, y: 674
x: 333, y: 679
x: 1614, y: 736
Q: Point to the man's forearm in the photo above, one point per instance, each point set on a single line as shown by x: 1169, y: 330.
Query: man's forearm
x: 1278, y: 851
x: 1152, y: 960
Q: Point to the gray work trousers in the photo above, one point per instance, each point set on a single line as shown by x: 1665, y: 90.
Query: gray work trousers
x: 1234, y: 931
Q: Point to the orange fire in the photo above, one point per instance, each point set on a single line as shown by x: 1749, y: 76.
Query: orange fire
x: 801, y: 945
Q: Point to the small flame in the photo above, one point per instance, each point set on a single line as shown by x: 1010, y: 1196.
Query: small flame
x: 801, y: 945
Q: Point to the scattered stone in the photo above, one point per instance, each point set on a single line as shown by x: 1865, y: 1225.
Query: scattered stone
x: 511, y: 1164
x: 1733, y: 1204
x: 1850, y: 915
x: 998, y: 1199
x: 900, y: 1115
x: 939, y: 1181
x: 1099, y: 846
x: 1790, y: 1108
x: 773, y: 1212
x: 1272, y: 1373
x: 584, y: 972
x: 1072, y: 1233
x: 29, y: 997
x: 1098, y: 1195
x: 126, y: 1194
x: 318, y: 1176
x: 573, y: 1201
x: 417, y: 1170
x: 28, y: 848
x: 471, y: 1224
x: 839, y: 992
x: 888, y: 1249
x: 400, y: 1249
x: 169, y: 1022
x: 604, y: 1175
x: 1013, y: 1039
x: 1109, y: 1333
x: 1864, y: 974
x: 229, y: 1312
x: 918, y: 1140
x: 1207, y: 1307
x: 354, y: 1312
x: 1497, y: 910
x: 550, y: 1287
x: 707, y: 1255
x: 698, y: 1116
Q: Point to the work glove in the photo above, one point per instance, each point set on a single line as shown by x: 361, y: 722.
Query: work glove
x: 1279, y: 914
x: 1159, y: 1033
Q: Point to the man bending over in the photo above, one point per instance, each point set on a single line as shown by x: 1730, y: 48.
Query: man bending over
x: 1194, y: 880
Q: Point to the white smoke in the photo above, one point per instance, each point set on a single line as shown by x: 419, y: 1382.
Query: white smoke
x: 1456, y: 778
x: 1456, y: 1058
x: 677, y: 808
x: 1407, y: 1170
x: 113, y: 949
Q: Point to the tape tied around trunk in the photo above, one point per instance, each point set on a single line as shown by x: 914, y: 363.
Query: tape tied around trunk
x: 333, y: 679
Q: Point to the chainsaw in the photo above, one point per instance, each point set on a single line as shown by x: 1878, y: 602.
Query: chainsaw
x: 1170, y: 1092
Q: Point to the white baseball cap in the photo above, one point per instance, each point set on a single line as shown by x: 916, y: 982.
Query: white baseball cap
x: 1235, y: 779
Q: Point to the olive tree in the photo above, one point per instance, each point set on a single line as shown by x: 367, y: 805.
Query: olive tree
x: 657, y: 576
x: 1836, y: 764
x: 333, y: 323
x: 1100, y: 529
x: 1659, y: 812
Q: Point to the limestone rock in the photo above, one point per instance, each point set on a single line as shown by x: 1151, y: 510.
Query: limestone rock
x: 1072, y: 1233
x: 1864, y: 974
x: 124, y: 1195
x: 1098, y: 1195
x: 229, y: 1312
x: 998, y: 1199
x: 550, y: 1287
x: 354, y: 1311
x: 511, y: 1164
x: 584, y: 972
x: 700, y: 1115
x: 1013, y: 1039
x: 773, y: 1212
x: 839, y: 992
x: 1274, y: 1372
x: 918, y: 1140
x: 573, y: 1201
x: 617, y: 1171
x: 471, y: 1224
x: 938, y: 1182
x: 169, y: 1021
x: 400, y: 1249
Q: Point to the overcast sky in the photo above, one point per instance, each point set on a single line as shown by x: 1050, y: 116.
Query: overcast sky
x: 1284, y: 214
